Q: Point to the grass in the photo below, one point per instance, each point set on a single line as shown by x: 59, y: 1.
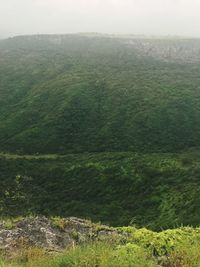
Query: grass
x: 187, y: 255
x: 92, y: 255
x: 142, y: 248
x: 107, y: 255
x: 35, y: 156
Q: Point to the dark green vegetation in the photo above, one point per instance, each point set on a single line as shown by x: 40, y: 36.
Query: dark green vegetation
x: 124, y: 108
x: 73, y: 93
x: 153, y: 190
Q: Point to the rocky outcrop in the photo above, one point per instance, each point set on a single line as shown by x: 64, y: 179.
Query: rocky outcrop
x: 52, y: 234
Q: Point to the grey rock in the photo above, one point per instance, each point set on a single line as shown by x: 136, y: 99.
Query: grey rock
x: 53, y: 235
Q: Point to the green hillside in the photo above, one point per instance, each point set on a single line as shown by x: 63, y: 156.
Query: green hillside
x: 110, y: 125
x: 78, y: 93
x: 152, y: 190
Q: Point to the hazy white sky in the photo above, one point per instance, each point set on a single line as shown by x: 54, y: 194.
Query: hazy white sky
x: 151, y: 17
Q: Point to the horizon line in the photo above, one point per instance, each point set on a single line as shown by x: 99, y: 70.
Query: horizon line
x: 91, y: 34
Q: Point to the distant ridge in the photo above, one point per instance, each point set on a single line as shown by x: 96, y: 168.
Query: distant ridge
x: 114, y: 35
x: 72, y: 94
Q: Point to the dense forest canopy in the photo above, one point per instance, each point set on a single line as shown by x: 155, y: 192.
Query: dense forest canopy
x: 74, y: 93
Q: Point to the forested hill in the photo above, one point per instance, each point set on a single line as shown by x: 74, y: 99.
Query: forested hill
x: 74, y: 93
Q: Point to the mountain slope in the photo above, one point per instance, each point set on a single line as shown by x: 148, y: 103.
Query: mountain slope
x: 75, y: 93
x: 152, y: 190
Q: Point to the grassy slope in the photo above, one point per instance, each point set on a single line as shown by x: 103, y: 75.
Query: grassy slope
x: 75, y: 94
x: 154, y: 190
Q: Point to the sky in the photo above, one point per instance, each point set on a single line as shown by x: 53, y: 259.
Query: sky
x: 143, y: 17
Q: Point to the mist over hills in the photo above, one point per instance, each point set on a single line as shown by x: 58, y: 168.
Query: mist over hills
x: 99, y: 133
x: 74, y: 93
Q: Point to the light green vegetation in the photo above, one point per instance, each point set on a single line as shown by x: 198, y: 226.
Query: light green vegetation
x: 143, y: 248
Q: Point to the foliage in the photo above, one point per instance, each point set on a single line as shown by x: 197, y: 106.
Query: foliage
x: 97, y: 254
x: 72, y: 96
x: 152, y: 190
x: 58, y: 223
x: 165, y: 242
x: 73, y: 93
x: 143, y: 248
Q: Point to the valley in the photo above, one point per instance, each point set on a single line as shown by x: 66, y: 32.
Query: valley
x: 99, y: 151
